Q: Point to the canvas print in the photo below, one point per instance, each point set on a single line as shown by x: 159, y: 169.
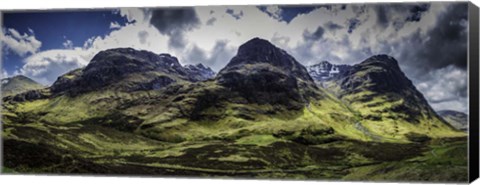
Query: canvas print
x: 358, y: 92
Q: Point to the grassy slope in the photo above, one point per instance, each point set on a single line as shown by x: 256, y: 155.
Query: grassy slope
x: 392, y: 124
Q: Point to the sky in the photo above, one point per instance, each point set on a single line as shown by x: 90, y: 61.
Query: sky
x: 429, y: 40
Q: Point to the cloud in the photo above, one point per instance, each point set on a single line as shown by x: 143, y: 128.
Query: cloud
x: 68, y: 44
x: 135, y: 14
x: 174, y: 22
x: 316, y: 35
x: 445, y: 88
x: 332, y: 26
x: 214, y: 58
x: 211, y: 21
x: 114, y: 25
x: 4, y: 74
x: 444, y: 44
x: 417, y: 11
x: 21, y: 44
x: 237, y: 15
x: 169, y: 20
x: 352, y: 24
x: 274, y: 11
x: 45, y: 67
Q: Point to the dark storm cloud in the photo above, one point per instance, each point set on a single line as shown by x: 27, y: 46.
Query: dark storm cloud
x: 174, y: 22
x: 352, y: 24
x: 446, y: 43
x: 317, y: 35
x: 417, y: 11
x: 332, y: 26
x: 382, y: 18
x: 169, y: 20
x: 177, y: 40
x: 411, y: 13
x: 437, y: 62
x: 211, y: 21
x: 233, y: 14
x: 288, y: 13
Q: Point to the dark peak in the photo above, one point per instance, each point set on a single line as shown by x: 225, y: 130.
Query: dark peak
x: 121, y: 50
x: 257, y: 45
x: 128, y: 55
x: 257, y: 41
x: 257, y: 51
x: 383, y: 58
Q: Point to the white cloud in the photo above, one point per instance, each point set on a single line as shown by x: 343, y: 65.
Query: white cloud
x: 68, y: 44
x: 21, y: 44
x: 114, y: 25
x: 274, y: 11
x: 135, y: 14
x: 44, y: 67
x: 4, y: 74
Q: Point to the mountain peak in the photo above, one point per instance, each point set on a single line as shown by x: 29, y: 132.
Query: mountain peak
x: 263, y: 73
x: 382, y: 58
x: 259, y: 51
x: 18, y: 84
x: 255, y: 43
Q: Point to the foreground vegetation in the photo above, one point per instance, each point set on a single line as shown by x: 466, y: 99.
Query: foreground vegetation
x: 301, y: 151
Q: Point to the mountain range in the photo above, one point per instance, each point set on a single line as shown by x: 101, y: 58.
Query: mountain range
x: 148, y: 114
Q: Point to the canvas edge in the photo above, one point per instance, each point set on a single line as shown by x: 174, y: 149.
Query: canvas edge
x: 473, y: 59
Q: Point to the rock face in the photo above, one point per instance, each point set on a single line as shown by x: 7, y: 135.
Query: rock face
x: 325, y: 71
x: 18, y: 84
x: 126, y: 69
x: 263, y: 73
x: 459, y: 120
x: 199, y: 72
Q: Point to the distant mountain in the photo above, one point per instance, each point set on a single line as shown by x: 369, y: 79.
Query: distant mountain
x: 324, y: 71
x: 18, y: 84
x: 459, y: 120
x: 199, y: 72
